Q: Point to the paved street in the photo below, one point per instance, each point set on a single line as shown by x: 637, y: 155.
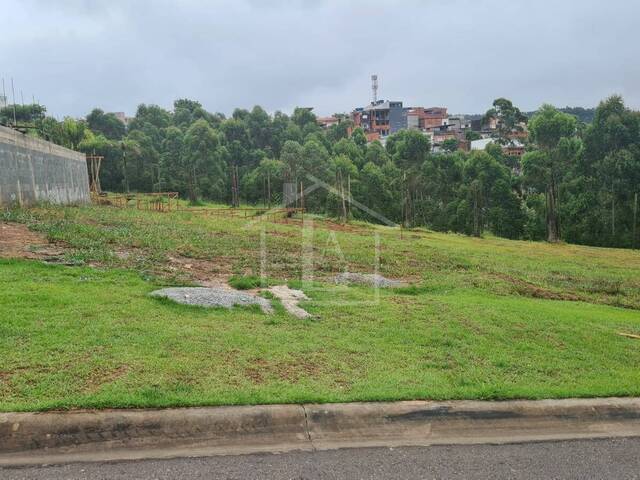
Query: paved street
x: 616, y: 458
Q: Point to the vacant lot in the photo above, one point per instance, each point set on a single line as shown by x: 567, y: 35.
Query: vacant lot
x: 484, y: 318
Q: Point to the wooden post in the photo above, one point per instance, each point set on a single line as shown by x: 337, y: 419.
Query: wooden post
x: 349, y: 195
x: 269, y: 187
x: 301, y: 195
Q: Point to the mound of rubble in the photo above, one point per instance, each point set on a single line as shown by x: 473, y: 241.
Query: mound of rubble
x: 289, y: 299
x: 212, y: 297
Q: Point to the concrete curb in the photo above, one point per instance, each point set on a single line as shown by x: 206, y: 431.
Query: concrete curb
x: 57, y: 437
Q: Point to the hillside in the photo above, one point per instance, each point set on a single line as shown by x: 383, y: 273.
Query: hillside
x: 481, y: 318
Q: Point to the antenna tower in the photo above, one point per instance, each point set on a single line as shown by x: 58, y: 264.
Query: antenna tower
x: 374, y: 87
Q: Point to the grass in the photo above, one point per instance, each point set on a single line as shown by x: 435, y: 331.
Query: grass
x: 482, y: 318
x: 247, y: 282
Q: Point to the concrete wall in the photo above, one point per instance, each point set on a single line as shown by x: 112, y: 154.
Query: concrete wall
x: 33, y: 170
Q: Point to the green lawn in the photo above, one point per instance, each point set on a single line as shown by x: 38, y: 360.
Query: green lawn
x: 486, y: 318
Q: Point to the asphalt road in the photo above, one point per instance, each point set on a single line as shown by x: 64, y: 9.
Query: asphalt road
x: 579, y: 459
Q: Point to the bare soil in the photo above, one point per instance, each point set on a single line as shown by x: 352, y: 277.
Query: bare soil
x: 527, y: 289
x: 17, y: 241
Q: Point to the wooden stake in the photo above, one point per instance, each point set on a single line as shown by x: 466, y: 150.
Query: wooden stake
x: 629, y: 335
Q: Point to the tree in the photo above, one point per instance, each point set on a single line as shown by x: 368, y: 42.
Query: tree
x: 152, y: 115
x: 594, y: 189
x: 441, y: 183
x: 470, y: 135
x: 200, y: 145
x: 172, y: 174
x: 238, y: 146
x: 379, y: 191
x: 259, y: 126
x: 105, y: 123
x: 450, y: 145
x: 186, y: 112
x: 72, y: 132
x: 509, y: 120
x: 350, y: 149
x: 343, y: 170
x: 409, y: 150
x: 610, y: 167
x: 339, y: 130
x: 292, y: 158
x: 484, y: 177
x: 359, y: 138
x: 24, y: 114
x: 376, y: 154
x: 270, y: 169
x: 303, y: 116
x: 109, y: 149
x: 315, y: 159
x: 544, y: 169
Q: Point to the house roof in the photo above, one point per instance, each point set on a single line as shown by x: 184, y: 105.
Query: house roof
x: 483, y: 142
x: 379, y: 106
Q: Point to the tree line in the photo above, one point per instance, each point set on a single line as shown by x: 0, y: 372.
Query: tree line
x: 576, y: 182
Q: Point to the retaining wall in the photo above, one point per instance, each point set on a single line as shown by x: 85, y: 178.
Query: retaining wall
x: 34, y: 170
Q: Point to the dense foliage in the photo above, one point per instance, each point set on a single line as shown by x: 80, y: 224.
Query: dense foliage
x: 577, y: 182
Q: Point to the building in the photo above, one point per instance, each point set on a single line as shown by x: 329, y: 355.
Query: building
x: 420, y: 118
x: 480, y: 144
x: 326, y: 122
x: 372, y: 136
x: 514, y: 148
x: 458, y: 123
x: 381, y: 117
x: 483, y: 125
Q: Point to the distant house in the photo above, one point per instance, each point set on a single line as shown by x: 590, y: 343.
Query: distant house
x: 326, y: 122
x: 480, y: 144
x: 420, y: 118
x: 381, y: 117
x: 514, y: 149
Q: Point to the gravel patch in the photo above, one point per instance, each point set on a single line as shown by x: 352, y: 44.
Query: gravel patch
x: 289, y: 299
x: 212, y: 297
x: 372, y: 280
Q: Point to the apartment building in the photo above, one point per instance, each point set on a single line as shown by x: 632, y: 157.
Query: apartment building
x: 382, y: 117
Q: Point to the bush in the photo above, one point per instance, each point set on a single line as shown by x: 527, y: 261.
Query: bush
x: 248, y: 282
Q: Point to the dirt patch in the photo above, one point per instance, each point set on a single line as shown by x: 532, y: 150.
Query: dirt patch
x: 208, y: 273
x: 17, y: 241
x: 527, y: 289
x: 290, y: 371
x: 100, y: 377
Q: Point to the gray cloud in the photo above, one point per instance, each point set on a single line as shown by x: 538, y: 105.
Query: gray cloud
x: 78, y: 54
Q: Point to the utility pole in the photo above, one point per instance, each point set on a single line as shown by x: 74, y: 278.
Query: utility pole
x: 4, y: 95
x: 13, y: 94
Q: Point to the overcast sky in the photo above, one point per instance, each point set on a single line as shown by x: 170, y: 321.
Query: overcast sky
x: 74, y: 55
